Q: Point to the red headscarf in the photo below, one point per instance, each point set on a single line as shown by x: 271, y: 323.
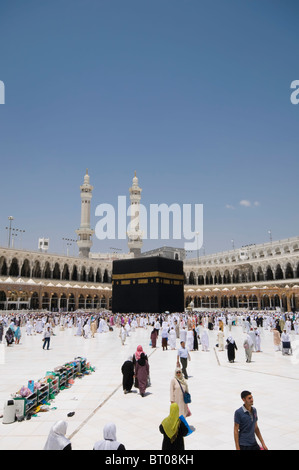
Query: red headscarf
x: 138, y: 352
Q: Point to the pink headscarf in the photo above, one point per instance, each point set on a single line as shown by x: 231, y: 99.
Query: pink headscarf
x: 138, y: 352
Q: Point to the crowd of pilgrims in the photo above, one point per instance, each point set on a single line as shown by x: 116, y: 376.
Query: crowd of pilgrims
x: 190, y: 327
x: 185, y: 326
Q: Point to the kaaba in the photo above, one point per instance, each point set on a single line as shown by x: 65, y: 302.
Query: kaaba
x: 147, y: 285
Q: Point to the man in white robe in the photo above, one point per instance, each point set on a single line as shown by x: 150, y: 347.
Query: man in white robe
x: 79, y: 327
x: 205, y: 340
x: 183, y: 335
x: 190, y: 340
x: 257, y: 340
x: 172, y: 338
x: 220, y: 339
x: 248, y: 346
x: 253, y: 338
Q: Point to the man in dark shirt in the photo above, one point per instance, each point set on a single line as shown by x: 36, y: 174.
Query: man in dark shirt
x: 245, y: 425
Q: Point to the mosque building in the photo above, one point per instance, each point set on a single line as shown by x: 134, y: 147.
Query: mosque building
x: 258, y: 276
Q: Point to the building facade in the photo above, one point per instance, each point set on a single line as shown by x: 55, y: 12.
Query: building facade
x: 256, y: 277
x: 36, y: 280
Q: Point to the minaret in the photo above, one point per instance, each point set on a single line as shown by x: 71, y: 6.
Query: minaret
x: 85, y: 233
x: 135, y: 234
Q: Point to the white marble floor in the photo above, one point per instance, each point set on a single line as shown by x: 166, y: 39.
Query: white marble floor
x: 214, y: 384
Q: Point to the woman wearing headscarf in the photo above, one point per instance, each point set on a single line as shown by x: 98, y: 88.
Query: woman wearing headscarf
x: 128, y: 374
x: 109, y: 442
x: 178, y: 386
x: 173, y: 430
x: 276, y: 339
x: 154, y: 336
x: 17, y: 335
x: 195, y: 340
x: 231, y: 347
x: 9, y: 336
x: 136, y: 357
x: 57, y: 439
x: 138, y: 353
x: 1, y: 330
x: 142, y: 373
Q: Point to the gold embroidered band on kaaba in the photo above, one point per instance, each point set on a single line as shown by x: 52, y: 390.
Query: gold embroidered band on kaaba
x: 178, y: 277
x: 145, y: 277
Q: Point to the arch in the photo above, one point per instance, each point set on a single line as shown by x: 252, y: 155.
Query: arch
x: 265, y: 302
x: 227, y: 277
x: 103, y: 302
x: 83, y: 274
x: 251, y: 275
x: 224, y: 302
x: 289, y: 273
x: 196, y: 301
x: 205, y: 302
x: 81, y: 301
x: 201, y: 280
x: 34, y: 301
x: 96, y: 302
x: 91, y: 275
x: 276, y: 301
x: 98, y: 275
x: 209, y: 278
x: 14, y: 268
x: 259, y: 274
x: 72, y: 303
x: 54, y: 302
x: 88, y: 301
x: 269, y: 274
x: 187, y: 301
x: 278, y: 272
x: 2, y: 300
x: 74, y: 276
x: 233, y: 302
x: 191, y: 278
x: 284, y: 302
x: 47, y: 270
x: 253, y: 302
x: 65, y: 273
x: 106, y: 276
x: 46, y: 301
x: 243, y: 302
x: 3, y: 266
x: 63, y: 302
x: 56, y: 271
x: 218, y: 278
x: 36, y: 271
x: 236, y: 276
x: 25, y: 269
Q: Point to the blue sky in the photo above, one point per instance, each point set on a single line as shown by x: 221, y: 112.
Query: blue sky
x: 192, y: 94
